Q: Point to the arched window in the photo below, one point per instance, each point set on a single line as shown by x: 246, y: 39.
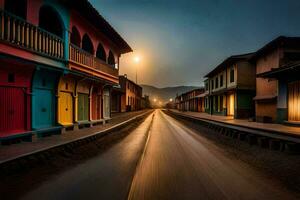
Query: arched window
x: 101, y: 53
x: 111, y: 58
x: 16, y: 7
x: 75, y: 37
x: 87, y: 44
x: 50, y: 20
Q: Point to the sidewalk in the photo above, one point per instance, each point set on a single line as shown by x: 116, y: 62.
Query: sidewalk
x: 16, y: 150
x: 294, y: 131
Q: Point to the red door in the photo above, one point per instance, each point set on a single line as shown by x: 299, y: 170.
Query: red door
x: 12, y: 110
x: 96, y: 104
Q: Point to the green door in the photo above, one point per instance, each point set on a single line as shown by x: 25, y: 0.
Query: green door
x: 83, y: 107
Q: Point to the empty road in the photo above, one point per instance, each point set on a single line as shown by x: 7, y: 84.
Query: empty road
x: 161, y: 159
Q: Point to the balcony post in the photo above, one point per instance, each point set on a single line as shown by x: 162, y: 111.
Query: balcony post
x: 67, y: 35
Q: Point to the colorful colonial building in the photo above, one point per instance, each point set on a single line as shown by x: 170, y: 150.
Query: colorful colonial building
x: 277, y: 83
x: 59, y: 61
x: 230, y: 88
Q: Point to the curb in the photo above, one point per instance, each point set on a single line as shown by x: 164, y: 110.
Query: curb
x: 251, y: 135
x: 72, y: 143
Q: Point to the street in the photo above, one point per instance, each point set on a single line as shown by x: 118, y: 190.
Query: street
x: 161, y: 159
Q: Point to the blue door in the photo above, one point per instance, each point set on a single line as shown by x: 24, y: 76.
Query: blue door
x: 43, y: 99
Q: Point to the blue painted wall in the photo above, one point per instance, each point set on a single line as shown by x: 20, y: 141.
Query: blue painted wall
x: 65, y: 17
x: 44, y: 86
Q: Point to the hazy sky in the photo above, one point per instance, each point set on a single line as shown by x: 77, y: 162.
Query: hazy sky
x: 181, y: 40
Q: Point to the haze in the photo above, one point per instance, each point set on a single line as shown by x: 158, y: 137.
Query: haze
x: 180, y: 41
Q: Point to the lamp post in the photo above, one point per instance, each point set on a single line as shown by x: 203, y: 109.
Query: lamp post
x: 137, y: 61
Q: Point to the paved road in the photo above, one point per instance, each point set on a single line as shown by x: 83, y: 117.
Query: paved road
x: 175, y: 163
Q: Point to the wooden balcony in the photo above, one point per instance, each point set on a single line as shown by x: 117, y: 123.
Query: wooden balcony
x: 88, y: 61
x: 18, y: 32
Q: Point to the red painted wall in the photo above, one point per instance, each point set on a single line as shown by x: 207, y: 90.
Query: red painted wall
x: 84, y: 27
x: 33, y: 8
x: 12, y: 96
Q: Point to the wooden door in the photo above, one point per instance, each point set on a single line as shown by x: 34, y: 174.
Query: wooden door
x: 65, y: 108
x: 96, y: 106
x: 12, y: 110
x: 43, y: 114
x: 106, y: 104
x: 83, y: 107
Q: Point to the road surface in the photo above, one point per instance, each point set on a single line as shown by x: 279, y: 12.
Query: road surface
x: 161, y: 159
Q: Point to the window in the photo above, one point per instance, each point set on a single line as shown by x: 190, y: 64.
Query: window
x: 67, y: 86
x: 11, y: 78
x: 231, y: 74
x: 212, y: 84
x: 206, y: 86
x: 217, y: 82
x: 221, y: 80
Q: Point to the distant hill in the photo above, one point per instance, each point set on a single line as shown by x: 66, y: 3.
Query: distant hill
x: 164, y: 94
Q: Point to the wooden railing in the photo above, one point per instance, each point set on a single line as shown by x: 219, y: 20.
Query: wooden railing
x: 17, y: 31
x: 84, y: 58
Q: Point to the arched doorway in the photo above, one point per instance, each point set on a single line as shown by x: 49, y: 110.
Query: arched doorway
x: 51, y: 21
x: 87, y: 44
x: 16, y: 7
x: 101, y: 53
x: 111, y: 58
x: 75, y: 37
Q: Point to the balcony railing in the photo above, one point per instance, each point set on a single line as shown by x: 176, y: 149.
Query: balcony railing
x: 17, y: 31
x: 84, y: 58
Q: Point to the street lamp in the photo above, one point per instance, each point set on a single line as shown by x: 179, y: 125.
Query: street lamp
x: 171, y: 100
x: 137, y: 60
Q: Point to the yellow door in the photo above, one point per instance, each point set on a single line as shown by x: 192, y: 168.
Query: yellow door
x: 231, y: 105
x: 65, y: 108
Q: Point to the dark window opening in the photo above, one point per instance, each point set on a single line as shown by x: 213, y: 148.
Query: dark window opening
x: 11, y: 78
x: 67, y: 86
x: 221, y: 81
x: 16, y: 7
x: 75, y: 37
x: 111, y: 58
x: 101, y: 53
x: 50, y: 20
x: 217, y: 82
x: 231, y: 75
x: 212, y: 84
x: 87, y: 44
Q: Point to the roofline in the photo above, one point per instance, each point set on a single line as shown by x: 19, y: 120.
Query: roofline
x: 201, y: 88
x: 122, y: 76
x: 274, y: 71
x: 277, y: 42
x: 229, y: 60
x: 101, y: 24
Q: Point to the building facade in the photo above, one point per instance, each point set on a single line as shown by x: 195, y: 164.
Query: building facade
x: 230, y: 88
x: 191, y: 101
x: 128, y: 97
x: 59, y: 61
x: 277, y: 90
